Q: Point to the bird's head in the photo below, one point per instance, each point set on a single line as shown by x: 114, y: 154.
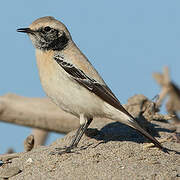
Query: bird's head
x: 47, y: 33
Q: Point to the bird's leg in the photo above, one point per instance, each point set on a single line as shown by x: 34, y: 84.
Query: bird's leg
x: 77, y: 135
x: 84, y: 123
x: 76, y: 141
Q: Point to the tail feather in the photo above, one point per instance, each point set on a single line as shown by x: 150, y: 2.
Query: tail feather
x: 132, y: 123
x: 123, y: 116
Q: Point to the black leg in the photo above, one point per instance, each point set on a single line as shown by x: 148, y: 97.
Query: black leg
x: 82, y: 132
x: 78, y: 132
x: 75, y: 140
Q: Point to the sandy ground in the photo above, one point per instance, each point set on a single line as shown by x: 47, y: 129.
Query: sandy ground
x: 110, y: 150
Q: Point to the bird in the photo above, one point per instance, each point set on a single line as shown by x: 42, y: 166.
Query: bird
x: 71, y: 82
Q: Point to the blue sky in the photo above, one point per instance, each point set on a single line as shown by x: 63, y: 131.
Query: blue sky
x: 125, y: 40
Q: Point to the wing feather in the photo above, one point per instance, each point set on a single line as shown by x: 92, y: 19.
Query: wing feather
x: 101, y: 90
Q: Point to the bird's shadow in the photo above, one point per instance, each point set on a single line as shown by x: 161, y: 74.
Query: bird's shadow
x: 117, y: 131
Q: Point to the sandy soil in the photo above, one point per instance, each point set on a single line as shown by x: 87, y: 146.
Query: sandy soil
x: 110, y: 150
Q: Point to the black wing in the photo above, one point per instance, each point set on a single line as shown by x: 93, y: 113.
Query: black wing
x: 92, y: 85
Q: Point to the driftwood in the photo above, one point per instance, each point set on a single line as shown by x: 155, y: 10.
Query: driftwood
x: 35, y: 113
x: 41, y: 113
x: 29, y: 143
x: 169, y: 89
x: 40, y: 136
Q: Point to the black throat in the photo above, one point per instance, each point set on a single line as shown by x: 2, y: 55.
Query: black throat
x: 59, y: 43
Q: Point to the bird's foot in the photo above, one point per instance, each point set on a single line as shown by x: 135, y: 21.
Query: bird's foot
x: 63, y: 150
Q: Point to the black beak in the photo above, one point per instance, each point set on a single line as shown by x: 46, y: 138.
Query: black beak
x: 25, y: 30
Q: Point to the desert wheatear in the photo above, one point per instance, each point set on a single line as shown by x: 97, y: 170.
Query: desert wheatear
x: 70, y: 80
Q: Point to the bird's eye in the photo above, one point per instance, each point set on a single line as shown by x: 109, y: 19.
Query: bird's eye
x: 47, y: 29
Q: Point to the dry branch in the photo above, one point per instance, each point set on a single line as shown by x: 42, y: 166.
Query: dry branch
x: 29, y: 143
x: 36, y: 113
x: 169, y: 89
x: 40, y: 136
